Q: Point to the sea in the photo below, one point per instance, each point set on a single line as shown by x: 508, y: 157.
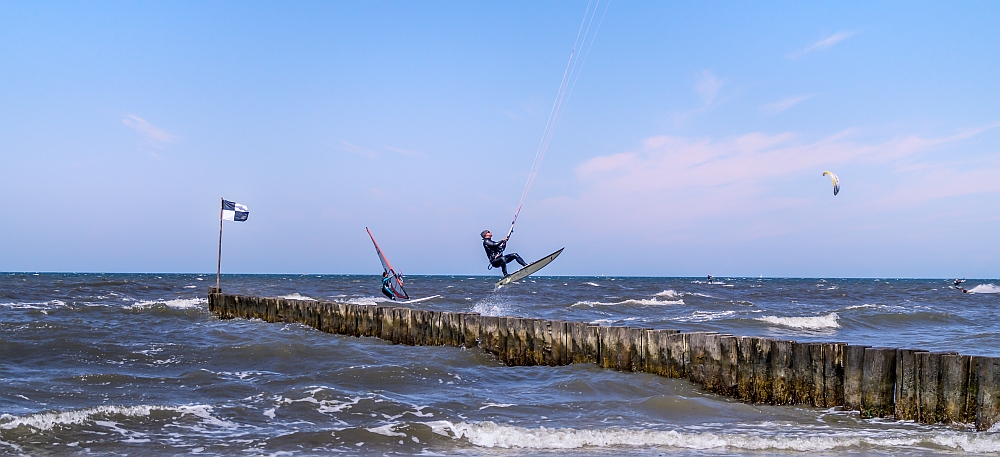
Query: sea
x: 135, y: 364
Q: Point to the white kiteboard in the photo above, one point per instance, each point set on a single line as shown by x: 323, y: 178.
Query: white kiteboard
x: 418, y: 300
x: 529, y: 269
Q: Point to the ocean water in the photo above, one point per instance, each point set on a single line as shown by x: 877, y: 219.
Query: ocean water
x: 130, y: 364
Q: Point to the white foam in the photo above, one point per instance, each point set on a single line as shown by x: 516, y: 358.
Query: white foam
x: 632, y: 302
x: 50, y: 420
x: 385, y: 430
x: 296, y: 296
x: 592, y: 284
x: 368, y: 300
x: 811, y: 322
x: 705, y: 316
x: 178, y: 303
x: 496, y: 405
x: 34, y: 305
x: 985, y: 289
x: 667, y: 293
x: 492, y: 435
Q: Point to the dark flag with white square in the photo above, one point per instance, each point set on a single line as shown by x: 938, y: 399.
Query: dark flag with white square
x: 232, y: 211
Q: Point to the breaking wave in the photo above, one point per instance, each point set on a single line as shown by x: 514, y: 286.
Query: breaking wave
x: 296, y: 296
x: 179, y: 303
x: 493, y: 435
x: 810, y: 323
x: 633, y: 302
x: 51, y: 420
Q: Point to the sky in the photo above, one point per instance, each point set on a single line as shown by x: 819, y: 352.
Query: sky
x: 693, y: 141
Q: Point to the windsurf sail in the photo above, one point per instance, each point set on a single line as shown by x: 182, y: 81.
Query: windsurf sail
x: 395, y: 278
x: 836, y: 181
x: 529, y: 269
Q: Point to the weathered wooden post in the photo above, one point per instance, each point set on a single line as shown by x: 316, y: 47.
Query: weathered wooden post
x: 817, y: 364
x: 560, y: 339
x: 607, y: 356
x: 833, y: 372
x: 907, y: 390
x: 928, y: 386
x: 781, y: 373
x: 745, y: 358
x: 636, y: 339
x: 577, y: 343
x: 713, y: 362
x: 695, y: 361
x: 471, y: 330
x: 854, y: 362
x: 802, y: 374
x: 762, y: 383
x: 878, y: 382
x: 954, y: 382
x: 541, y: 342
x: 729, y: 352
x: 677, y: 350
x: 988, y: 395
x: 489, y: 334
x: 521, y: 328
x: 654, y: 354
x: 972, y: 392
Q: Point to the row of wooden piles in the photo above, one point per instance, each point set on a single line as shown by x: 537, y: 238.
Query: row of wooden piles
x: 906, y: 384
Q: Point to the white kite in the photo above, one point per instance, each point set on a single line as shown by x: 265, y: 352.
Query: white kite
x: 836, y: 181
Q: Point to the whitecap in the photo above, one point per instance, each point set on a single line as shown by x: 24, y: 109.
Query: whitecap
x: 179, y: 303
x: 592, y: 284
x: 805, y: 322
x: 633, y: 302
x: 296, y: 296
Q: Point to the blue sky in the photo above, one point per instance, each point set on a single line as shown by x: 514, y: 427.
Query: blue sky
x: 693, y: 142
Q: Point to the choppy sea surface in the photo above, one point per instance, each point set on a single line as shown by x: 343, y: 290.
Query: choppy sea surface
x: 134, y: 364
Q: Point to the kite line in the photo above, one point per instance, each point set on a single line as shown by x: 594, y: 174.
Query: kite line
x: 570, y: 75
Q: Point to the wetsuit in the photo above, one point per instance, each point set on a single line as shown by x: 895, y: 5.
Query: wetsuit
x: 386, y: 289
x: 494, y: 252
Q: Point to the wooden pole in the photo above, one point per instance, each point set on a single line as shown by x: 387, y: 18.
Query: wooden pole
x: 218, y: 264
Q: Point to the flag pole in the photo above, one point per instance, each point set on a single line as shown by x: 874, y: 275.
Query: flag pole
x: 218, y: 265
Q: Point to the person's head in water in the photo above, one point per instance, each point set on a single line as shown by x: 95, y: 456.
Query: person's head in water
x: 486, y: 234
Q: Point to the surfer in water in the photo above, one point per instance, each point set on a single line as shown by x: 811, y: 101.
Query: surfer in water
x: 494, y: 251
x: 385, y: 286
x: 958, y: 285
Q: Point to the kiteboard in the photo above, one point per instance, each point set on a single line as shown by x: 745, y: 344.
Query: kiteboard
x: 418, y: 300
x: 528, y: 269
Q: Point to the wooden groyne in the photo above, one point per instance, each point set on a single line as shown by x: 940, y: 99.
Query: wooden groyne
x: 905, y: 384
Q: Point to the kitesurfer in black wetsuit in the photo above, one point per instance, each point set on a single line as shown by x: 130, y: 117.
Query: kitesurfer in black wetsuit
x: 386, y: 280
x: 494, y: 251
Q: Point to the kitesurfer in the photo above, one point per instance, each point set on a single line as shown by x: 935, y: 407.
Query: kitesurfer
x: 494, y: 251
x: 386, y: 281
x: 709, y: 279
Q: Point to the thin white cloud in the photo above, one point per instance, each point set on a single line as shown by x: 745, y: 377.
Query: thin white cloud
x: 150, y: 131
x: 405, y: 152
x: 674, y: 180
x: 708, y: 87
x: 822, y: 44
x: 784, y: 104
x: 360, y: 150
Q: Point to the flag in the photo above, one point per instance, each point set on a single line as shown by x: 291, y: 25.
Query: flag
x: 232, y: 211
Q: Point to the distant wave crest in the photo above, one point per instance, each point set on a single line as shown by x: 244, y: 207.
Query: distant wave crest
x: 810, y: 322
x: 632, y: 302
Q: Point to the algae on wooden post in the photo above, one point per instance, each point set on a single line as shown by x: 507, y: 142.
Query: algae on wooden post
x: 878, y: 382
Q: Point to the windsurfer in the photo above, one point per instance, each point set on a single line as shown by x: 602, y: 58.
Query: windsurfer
x: 494, y: 251
x: 386, y: 281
